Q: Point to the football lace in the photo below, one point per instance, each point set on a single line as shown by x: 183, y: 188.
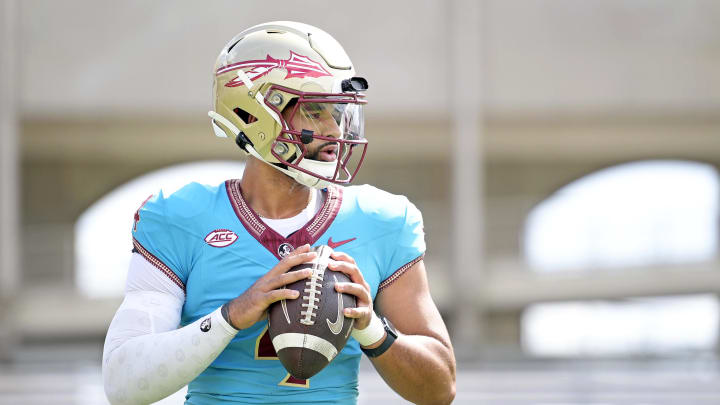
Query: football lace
x: 312, y: 293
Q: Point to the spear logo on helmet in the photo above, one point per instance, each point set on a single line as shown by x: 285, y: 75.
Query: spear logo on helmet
x: 296, y: 66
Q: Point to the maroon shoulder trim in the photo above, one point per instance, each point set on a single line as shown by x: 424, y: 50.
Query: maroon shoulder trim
x: 399, y: 272
x: 158, y: 263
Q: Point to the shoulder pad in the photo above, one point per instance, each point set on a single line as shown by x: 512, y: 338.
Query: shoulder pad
x: 379, y: 204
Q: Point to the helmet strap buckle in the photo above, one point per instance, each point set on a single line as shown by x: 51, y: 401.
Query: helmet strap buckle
x: 242, y: 141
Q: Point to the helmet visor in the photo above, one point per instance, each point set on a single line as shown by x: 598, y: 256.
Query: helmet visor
x: 337, y: 128
x: 337, y: 120
x: 325, y: 128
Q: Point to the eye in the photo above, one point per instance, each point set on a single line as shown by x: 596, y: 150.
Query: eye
x: 314, y: 110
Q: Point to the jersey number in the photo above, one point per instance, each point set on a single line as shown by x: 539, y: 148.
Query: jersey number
x: 264, y: 350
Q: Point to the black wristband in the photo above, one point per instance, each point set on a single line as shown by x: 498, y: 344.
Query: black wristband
x: 390, y: 336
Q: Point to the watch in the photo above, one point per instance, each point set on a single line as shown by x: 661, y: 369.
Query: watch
x: 390, y: 336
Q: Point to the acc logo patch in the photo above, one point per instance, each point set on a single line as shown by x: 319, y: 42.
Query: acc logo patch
x: 221, y: 238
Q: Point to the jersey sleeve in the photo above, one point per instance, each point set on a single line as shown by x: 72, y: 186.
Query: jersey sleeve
x: 409, y: 246
x: 163, y: 239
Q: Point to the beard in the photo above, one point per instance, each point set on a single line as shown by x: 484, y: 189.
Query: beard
x: 315, y: 153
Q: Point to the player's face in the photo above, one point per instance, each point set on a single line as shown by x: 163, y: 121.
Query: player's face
x: 322, y: 119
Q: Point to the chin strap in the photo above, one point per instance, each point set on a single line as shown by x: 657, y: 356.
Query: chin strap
x: 325, y: 169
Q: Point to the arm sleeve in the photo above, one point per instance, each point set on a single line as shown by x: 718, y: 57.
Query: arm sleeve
x: 409, y: 245
x: 146, y: 358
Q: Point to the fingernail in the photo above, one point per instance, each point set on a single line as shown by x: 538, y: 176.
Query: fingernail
x: 295, y: 294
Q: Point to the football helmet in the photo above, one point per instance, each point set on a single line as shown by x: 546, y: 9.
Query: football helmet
x: 280, y: 86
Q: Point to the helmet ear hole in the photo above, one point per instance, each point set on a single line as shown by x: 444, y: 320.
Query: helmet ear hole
x: 245, y: 116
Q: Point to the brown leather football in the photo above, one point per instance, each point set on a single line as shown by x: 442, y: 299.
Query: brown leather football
x: 309, y: 331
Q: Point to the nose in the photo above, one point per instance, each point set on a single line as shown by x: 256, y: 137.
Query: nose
x: 330, y: 128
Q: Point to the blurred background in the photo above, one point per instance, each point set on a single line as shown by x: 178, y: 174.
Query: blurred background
x: 564, y: 154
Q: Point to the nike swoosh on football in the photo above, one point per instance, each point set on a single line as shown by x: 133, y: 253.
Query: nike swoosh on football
x: 336, y: 244
x: 336, y: 327
x: 285, y: 311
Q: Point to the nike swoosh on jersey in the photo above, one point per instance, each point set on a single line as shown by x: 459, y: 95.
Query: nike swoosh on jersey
x: 336, y: 327
x: 336, y: 244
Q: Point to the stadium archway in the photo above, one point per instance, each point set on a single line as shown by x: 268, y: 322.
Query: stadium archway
x: 102, y: 233
x: 640, y: 216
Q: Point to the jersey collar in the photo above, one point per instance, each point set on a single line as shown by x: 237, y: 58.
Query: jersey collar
x: 273, y: 241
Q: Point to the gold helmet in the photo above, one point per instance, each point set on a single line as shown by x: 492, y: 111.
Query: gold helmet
x: 282, y: 85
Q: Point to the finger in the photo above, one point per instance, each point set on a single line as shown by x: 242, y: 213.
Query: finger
x: 344, y: 257
x: 348, y: 268
x: 357, y: 290
x: 287, y: 278
x: 281, y: 294
x: 302, y: 249
x: 291, y: 261
x: 356, y: 313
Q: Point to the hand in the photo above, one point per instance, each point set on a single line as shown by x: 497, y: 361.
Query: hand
x: 250, y: 307
x: 358, y: 287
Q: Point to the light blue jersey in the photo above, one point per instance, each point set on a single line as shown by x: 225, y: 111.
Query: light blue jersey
x: 211, y: 243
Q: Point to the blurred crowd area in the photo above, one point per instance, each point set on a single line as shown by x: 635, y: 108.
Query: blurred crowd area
x: 564, y: 155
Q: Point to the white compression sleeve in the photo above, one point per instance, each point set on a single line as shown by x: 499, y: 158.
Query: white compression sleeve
x: 146, y: 357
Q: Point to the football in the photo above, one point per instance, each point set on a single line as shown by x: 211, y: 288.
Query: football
x: 309, y: 331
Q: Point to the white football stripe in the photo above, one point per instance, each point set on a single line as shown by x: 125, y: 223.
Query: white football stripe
x: 305, y: 341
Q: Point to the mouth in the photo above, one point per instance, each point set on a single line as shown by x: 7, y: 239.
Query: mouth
x: 328, y: 153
